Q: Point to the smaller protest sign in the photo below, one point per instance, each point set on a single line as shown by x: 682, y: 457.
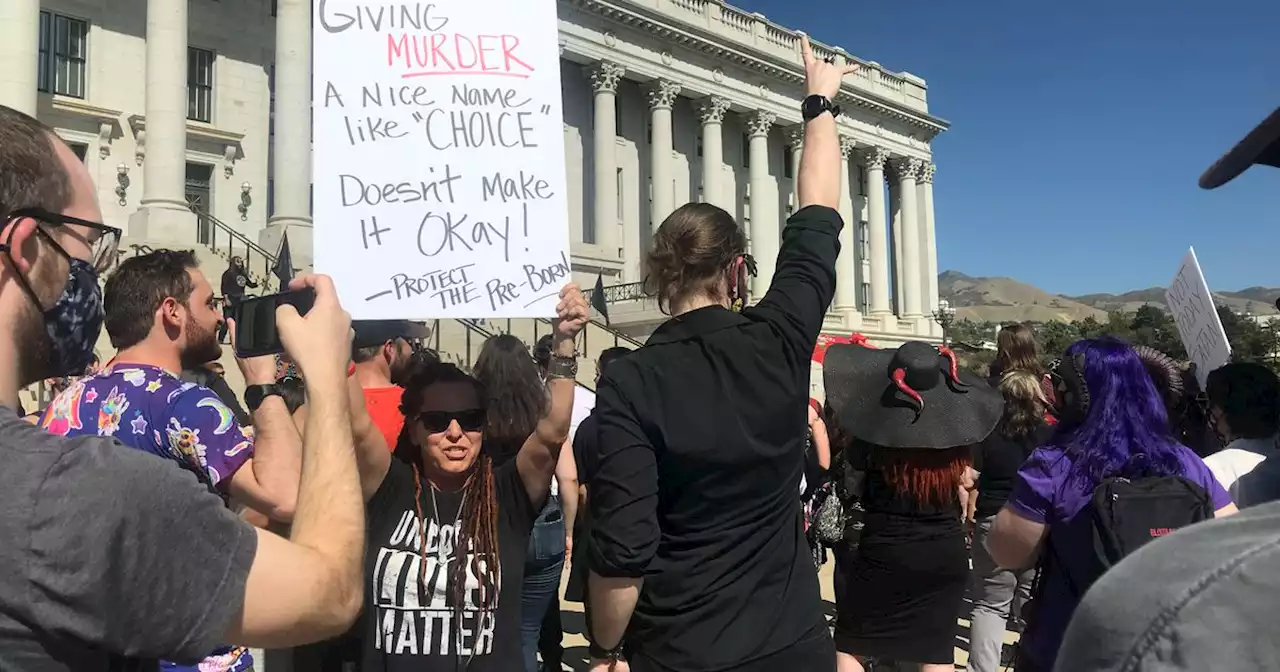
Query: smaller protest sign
x: 1194, y: 311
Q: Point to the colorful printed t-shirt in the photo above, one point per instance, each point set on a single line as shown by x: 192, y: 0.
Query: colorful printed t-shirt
x: 1043, y: 492
x: 153, y: 410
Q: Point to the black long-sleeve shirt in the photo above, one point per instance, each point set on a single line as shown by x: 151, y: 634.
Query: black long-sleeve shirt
x: 701, y: 452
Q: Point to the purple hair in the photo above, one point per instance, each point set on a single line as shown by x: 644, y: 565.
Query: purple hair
x: 1126, y: 430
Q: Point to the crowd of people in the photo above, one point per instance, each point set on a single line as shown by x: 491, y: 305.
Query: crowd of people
x: 372, y: 508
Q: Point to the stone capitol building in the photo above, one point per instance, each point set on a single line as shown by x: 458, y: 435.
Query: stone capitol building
x: 194, y: 118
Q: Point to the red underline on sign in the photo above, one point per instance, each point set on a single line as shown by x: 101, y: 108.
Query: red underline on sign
x: 491, y: 73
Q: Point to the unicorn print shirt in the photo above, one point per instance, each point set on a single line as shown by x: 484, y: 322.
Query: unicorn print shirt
x: 153, y: 410
x: 148, y: 408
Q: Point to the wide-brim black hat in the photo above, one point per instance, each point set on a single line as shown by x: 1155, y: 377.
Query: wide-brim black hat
x: 911, y: 397
x: 1260, y: 147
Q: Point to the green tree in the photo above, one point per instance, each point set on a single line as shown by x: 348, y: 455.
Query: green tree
x: 1153, y: 327
x: 971, y: 332
x: 1090, y: 327
x: 1250, y: 341
x: 1054, y: 337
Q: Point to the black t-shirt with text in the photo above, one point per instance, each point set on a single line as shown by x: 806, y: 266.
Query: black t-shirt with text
x: 410, y: 625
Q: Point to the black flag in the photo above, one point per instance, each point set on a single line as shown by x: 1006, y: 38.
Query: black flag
x: 284, y: 263
x: 597, y: 299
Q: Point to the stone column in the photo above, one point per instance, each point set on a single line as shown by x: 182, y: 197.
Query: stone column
x: 291, y: 156
x: 765, y: 231
x: 907, y: 169
x: 875, y: 158
x: 605, y: 76
x: 20, y: 54
x: 163, y: 215
x: 795, y: 141
x: 846, y: 276
x: 662, y: 95
x: 711, y: 110
x: 930, y: 239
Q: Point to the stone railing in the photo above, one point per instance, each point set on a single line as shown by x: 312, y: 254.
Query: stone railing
x: 782, y: 43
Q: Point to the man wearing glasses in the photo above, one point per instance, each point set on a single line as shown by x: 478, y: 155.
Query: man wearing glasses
x: 112, y: 557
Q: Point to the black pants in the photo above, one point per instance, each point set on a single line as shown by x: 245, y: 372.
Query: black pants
x: 228, y: 311
x: 550, y: 643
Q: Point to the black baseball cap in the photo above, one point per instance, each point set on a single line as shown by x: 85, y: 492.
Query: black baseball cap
x: 1260, y: 147
x: 376, y: 332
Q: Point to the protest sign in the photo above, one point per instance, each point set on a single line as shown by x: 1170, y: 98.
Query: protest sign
x: 439, y: 172
x: 1196, y: 315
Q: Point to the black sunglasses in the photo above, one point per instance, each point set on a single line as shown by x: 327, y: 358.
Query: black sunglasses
x: 470, y: 420
x: 104, y: 249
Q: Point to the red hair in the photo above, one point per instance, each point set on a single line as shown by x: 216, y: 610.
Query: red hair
x: 924, y: 476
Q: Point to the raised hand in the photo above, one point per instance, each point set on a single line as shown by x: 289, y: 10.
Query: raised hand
x: 319, y: 342
x: 572, y: 312
x: 822, y: 77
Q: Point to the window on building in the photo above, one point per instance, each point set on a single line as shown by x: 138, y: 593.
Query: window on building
x: 617, y: 118
x: 746, y: 151
x: 786, y: 163
x: 618, y: 186
x: 697, y: 143
x: 80, y: 149
x: 865, y: 291
x: 864, y: 245
x: 273, y: 7
x: 862, y: 179
x: 200, y: 84
x: 63, y: 51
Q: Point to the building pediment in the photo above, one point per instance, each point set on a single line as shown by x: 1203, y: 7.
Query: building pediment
x: 750, y: 41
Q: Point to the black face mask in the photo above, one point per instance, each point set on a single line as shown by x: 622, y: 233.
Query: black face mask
x: 73, y: 324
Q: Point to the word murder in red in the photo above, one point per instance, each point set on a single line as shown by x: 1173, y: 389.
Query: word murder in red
x: 422, y: 55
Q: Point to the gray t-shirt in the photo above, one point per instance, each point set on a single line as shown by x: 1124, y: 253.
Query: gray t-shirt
x: 110, y: 557
x: 1202, y: 598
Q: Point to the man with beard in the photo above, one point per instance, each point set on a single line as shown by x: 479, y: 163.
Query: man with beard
x: 161, y: 316
x: 114, y: 558
x: 384, y: 352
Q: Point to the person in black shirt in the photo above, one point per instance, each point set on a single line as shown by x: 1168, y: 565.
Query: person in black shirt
x: 234, y: 281
x: 585, y: 456
x: 993, y: 590
x: 448, y: 528
x: 697, y: 552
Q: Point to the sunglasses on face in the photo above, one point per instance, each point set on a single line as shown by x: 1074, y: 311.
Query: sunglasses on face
x: 103, y: 242
x: 470, y: 420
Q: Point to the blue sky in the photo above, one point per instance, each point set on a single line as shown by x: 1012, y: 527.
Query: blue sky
x: 1079, y: 130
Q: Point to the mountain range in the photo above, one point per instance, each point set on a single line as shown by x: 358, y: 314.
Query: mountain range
x: 1008, y: 300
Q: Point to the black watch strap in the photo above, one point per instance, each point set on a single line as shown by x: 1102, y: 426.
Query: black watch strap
x: 254, y: 395
x: 598, y: 652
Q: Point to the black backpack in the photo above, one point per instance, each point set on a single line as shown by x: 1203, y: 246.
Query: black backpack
x: 1129, y: 513
x: 1126, y: 514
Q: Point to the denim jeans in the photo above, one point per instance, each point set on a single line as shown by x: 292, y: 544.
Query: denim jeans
x: 542, y: 568
x: 994, y: 591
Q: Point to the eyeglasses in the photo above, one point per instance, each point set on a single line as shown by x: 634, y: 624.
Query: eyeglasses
x: 104, y: 248
x: 470, y: 420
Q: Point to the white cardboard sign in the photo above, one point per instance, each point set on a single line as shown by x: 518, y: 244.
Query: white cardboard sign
x: 439, y: 171
x: 1196, y: 315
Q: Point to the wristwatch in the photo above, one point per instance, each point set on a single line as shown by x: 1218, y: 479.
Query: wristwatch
x: 562, y: 367
x: 813, y: 106
x: 254, y: 395
x: 597, y: 652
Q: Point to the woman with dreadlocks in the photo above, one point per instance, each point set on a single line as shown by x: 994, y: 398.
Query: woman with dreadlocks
x: 448, y: 527
x: 909, y: 417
